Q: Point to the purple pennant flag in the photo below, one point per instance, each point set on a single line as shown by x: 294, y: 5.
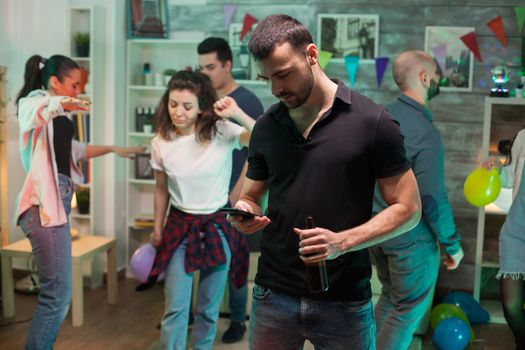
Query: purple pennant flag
x: 352, y: 63
x: 381, y: 64
x: 229, y: 10
x: 440, y: 53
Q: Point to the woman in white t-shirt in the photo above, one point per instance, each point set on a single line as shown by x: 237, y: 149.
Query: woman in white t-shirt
x: 192, y: 158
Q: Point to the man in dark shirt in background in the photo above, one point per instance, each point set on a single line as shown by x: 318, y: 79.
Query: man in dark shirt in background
x: 318, y: 152
x: 215, y: 60
x: 407, y: 265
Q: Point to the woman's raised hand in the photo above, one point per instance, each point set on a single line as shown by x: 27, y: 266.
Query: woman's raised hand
x: 75, y: 104
x: 227, y: 108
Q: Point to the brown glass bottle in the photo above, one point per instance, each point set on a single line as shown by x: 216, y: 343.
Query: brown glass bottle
x: 316, y: 275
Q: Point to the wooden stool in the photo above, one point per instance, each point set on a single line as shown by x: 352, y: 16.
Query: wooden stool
x: 84, y: 247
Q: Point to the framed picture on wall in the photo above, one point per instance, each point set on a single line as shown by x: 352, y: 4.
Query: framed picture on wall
x: 348, y: 35
x: 234, y: 33
x: 147, y: 19
x: 454, y: 60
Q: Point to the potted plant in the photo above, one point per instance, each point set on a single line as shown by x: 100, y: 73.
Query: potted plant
x: 83, y: 201
x: 168, y: 73
x: 81, y: 41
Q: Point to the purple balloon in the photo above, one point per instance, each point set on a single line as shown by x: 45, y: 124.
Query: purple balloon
x: 142, y: 262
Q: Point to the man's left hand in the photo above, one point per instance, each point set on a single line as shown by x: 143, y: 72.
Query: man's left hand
x: 319, y: 244
x: 452, y: 261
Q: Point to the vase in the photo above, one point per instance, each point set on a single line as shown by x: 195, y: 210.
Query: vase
x: 82, y: 50
x: 83, y: 207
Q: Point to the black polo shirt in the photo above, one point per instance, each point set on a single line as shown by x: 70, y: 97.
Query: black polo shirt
x: 331, y: 176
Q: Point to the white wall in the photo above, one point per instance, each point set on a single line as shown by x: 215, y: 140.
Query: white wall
x: 26, y: 29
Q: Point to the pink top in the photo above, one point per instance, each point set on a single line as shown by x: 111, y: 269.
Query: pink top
x: 35, y: 113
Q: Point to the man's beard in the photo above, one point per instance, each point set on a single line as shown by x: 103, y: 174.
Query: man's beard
x: 305, y: 89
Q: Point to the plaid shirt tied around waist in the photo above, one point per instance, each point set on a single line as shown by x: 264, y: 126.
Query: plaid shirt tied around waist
x: 204, y: 248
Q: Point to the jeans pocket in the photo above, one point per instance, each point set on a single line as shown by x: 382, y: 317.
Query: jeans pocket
x: 260, y: 292
x: 66, y: 190
x: 357, y: 306
x: 27, y: 220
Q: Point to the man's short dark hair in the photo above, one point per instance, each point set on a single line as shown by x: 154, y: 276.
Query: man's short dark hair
x: 276, y: 29
x: 218, y: 45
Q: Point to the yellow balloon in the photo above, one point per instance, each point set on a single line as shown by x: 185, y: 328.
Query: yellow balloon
x: 482, y: 186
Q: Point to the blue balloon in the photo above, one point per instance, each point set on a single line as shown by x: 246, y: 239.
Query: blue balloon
x: 451, y: 334
x: 475, y: 313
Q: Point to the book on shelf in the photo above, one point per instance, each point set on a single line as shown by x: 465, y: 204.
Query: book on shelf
x: 144, y: 221
x: 81, y: 125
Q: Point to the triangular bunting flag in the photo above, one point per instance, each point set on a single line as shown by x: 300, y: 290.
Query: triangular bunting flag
x: 496, y: 25
x: 520, y: 17
x: 470, y: 41
x: 381, y: 64
x: 324, y: 58
x: 351, y: 63
x: 229, y: 10
x: 440, y: 54
x: 247, y: 24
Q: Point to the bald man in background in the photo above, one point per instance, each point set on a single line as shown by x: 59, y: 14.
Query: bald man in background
x: 408, y: 265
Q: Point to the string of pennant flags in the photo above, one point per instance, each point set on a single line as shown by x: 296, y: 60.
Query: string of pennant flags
x: 352, y: 62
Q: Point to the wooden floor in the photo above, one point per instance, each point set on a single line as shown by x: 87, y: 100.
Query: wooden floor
x: 132, y: 324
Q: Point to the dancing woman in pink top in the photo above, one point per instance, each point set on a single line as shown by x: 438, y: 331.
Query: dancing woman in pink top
x: 49, y: 157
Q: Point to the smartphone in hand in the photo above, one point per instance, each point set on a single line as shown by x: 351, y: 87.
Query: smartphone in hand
x: 239, y: 212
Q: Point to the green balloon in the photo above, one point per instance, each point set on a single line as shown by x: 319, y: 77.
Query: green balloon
x: 444, y: 311
x: 482, y: 186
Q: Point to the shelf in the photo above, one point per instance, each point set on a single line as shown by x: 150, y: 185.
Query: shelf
x: 490, y: 264
x: 139, y: 228
x: 87, y: 19
x: 502, y: 204
x: 494, y: 309
x: 147, y: 88
x: 498, y: 123
x: 81, y: 59
x: 87, y: 185
x: 495, y: 210
x: 141, y: 134
x: 163, y: 88
x: 141, y: 181
x: 162, y: 41
x: 506, y: 100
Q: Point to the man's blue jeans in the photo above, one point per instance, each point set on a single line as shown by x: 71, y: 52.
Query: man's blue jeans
x: 279, y: 321
x: 52, y: 252
x: 177, y: 289
x: 408, y: 274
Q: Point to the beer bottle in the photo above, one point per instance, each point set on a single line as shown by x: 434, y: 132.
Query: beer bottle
x: 316, y: 275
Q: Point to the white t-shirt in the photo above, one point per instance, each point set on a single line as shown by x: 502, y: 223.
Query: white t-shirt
x: 198, y: 173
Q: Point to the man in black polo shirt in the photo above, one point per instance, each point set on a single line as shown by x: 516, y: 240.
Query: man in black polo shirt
x: 318, y: 152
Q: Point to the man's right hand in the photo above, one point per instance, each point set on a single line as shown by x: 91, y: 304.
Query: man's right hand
x: 247, y: 225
